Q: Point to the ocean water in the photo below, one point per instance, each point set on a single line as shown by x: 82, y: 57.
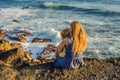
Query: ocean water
x: 46, y: 18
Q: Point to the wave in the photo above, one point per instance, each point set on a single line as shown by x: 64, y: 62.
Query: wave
x: 84, y: 7
x: 55, y: 6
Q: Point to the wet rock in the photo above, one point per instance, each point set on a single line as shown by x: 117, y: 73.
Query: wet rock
x: 26, y: 7
x: 20, y: 36
x: 17, y: 38
x: 2, y: 34
x: 41, y: 40
x: 47, y: 53
x: 24, y: 34
x: 16, y: 21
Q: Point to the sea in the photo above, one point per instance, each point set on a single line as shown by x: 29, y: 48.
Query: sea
x: 46, y: 18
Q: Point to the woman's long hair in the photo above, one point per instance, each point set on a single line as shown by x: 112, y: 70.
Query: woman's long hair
x: 79, y: 37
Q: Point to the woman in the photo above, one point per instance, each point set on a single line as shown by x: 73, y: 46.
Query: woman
x: 75, y: 46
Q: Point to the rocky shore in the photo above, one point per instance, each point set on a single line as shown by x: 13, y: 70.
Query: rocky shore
x: 108, y: 69
x: 16, y: 64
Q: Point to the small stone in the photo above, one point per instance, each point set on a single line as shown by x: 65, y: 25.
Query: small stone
x: 15, y: 21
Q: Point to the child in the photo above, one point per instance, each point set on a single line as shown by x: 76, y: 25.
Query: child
x: 64, y: 34
x: 51, y: 48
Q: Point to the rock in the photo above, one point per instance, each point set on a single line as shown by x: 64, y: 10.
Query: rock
x: 12, y: 54
x: 2, y: 34
x: 16, y: 21
x: 41, y: 40
x: 47, y: 52
x: 15, y: 45
x: 24, y: 34
x: 99, y: 70
x: 13, y: 57
x: 26, y: 7
x: 6, y: 54
x: 2, y: 63
x: 17, y: 38
x: 20, y: 36
x: 4, y: 45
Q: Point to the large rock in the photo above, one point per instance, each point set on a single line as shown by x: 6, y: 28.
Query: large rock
x: 13, y: 57
x: 41, y: 40
x: 12, y: 54
x: 2, y: 34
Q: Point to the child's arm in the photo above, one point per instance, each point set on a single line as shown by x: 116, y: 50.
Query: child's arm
x: 60, y: 47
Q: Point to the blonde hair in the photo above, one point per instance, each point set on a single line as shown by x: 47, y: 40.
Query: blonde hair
x: 79, y: 37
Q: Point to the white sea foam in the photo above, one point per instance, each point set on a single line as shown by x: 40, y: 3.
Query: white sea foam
x: 58, y: 33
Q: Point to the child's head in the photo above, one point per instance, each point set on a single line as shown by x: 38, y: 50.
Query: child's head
x: 65, y: 33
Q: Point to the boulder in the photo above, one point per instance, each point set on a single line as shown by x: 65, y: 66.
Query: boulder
x: 13, y: 55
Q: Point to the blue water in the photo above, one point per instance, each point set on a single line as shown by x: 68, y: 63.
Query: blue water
x: 45, y: 18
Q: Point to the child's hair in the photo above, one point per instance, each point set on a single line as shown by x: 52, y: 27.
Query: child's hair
x: 65, y: 33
